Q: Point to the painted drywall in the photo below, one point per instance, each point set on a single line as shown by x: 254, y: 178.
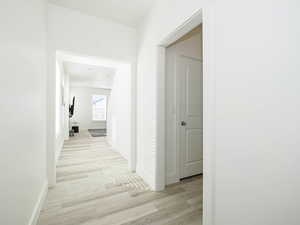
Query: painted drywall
x: 120, y: 114
x: 22, y: 113
x: 190, y: 45
x: 124, y: 12
x: 60, y: 108
x: 255, y: 48
x: 257, y: 117
x: 73, y: 32
x: 66, y: 104
x: 83, y: 107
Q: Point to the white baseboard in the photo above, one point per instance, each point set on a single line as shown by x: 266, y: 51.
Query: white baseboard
x: 39, y: 205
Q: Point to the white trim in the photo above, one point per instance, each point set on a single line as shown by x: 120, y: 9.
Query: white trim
x: 133, y: 154
x: 160, y: 120
x: 39, y: 204
x: 192, y: 22
x: 209, y: 116
x: 207, y: 17
x: 51, y: 139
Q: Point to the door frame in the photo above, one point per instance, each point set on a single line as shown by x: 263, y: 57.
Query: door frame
x: 206, y: 17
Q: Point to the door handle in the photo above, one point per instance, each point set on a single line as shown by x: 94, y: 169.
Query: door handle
x: 183, y: 123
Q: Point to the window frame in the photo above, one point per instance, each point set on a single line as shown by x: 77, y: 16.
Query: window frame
x: 93, y: 108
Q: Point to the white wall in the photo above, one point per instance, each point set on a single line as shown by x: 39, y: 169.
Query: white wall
x: 255, y: 47
x: 72, y: 31
x: 257, y: 95
x: 66, y: 106
x: 83, y: 107
x: 120, y: 114
x: 257, y: 118
x: 60, y: 108
x: 76, y: 33
x: 22, y: 113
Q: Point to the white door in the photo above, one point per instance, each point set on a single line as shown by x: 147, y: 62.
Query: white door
x: 189, y: 73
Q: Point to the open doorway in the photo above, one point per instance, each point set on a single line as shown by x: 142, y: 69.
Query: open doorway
x: 181, y: 97
x: 184, y: 107
x: 95, y: 182
x: 185, y: 151
x: 89, y: 99
x: 94, y: 98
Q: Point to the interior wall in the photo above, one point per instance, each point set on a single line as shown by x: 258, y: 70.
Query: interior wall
x: 255, y: 50
x: 76, y: 33
x: 60, y: 110
x: 83, y: 107
x: 257, y: 117
x: 66, y: 104
x: 191, y: 44
x: 22, y: 114
x: 120, y: 114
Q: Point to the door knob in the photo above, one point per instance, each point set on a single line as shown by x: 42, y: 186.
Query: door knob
x: 183, y: 123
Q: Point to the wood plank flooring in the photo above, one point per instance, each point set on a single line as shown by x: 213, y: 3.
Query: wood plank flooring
x: 94, y: 187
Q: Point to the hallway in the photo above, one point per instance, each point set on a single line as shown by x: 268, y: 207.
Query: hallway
x: 94, y: 187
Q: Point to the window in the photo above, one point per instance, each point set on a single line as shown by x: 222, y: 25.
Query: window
x: 99, y: 107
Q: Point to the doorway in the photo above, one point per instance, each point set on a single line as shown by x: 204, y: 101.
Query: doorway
x: 184, y: 107
x: 119, y: 118
x: 205, y: 17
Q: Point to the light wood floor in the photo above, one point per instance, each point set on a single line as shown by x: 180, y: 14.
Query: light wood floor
x: 94, y: 187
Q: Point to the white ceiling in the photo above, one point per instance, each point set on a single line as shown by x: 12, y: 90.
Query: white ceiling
x: 89, y: 75
x: 128, y: 12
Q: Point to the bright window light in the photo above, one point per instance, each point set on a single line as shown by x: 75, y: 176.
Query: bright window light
x: 99, y: 107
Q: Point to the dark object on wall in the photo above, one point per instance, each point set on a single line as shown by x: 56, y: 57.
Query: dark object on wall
x: 75, y: 129
x: 71, y: 113
x: 71, y: 108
